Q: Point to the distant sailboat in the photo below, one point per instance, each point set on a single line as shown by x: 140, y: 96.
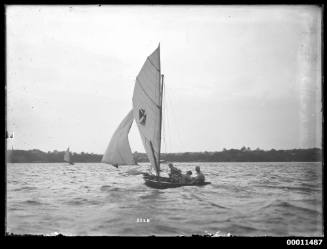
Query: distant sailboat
x: 147, y: 113
x: 68, y: 157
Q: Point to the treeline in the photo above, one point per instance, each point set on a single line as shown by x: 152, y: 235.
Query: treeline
x: 232, y: 155
x: 38, y: 156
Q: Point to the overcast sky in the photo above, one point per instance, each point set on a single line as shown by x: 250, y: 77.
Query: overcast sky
x: 234, y: 75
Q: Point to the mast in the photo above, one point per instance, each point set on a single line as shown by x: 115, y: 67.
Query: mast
x: 160, y: 116
x: 161, y: 95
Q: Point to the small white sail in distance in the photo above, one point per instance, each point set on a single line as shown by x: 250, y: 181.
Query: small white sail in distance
x: 119, y: 151
x: 67, y: 157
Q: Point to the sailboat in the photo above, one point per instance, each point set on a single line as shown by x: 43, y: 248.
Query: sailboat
x: 147, y: 113
x: 68, y: 157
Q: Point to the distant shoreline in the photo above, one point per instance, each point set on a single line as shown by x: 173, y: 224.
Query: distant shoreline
x: 231, y: 155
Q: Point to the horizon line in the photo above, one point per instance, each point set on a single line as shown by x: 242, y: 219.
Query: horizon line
x: 204, y: 151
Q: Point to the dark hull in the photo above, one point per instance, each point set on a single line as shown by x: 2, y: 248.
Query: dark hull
x: 152, y: 181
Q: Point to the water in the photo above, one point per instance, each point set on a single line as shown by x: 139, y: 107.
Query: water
x: 244, y: 199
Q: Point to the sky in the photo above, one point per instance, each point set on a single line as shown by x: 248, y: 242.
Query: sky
x: 234, y: 75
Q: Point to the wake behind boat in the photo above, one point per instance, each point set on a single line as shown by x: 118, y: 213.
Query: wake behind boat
x: 147, y: 113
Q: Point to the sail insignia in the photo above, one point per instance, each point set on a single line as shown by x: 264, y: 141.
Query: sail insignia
x: 142, y: 116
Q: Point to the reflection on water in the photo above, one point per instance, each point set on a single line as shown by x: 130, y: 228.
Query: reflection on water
x: 244, y: 199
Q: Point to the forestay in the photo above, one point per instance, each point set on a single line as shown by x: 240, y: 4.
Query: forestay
x: 119, y: 151
x: 147, y: 107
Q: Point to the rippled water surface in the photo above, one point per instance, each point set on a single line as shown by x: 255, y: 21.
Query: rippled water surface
x: 244, y: 199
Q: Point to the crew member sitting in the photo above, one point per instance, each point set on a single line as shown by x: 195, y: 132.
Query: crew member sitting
x: 187, y: 178
x: 175, y: 174
x: 199, y: 177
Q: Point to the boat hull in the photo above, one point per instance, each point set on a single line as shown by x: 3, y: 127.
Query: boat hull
x: 153, y: 181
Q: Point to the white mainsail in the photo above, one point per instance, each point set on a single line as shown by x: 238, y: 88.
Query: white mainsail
x: 118, y: 151
x: 147, y: 100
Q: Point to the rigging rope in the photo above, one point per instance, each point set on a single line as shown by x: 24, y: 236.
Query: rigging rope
x: 164, y: 121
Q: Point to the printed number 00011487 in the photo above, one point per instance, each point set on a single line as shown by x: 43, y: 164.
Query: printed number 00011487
x: 303, y: 242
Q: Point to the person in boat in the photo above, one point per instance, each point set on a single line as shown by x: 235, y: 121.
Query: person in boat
x: 199, y: 176
x: 187, y: 178
x: 175, y: 174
